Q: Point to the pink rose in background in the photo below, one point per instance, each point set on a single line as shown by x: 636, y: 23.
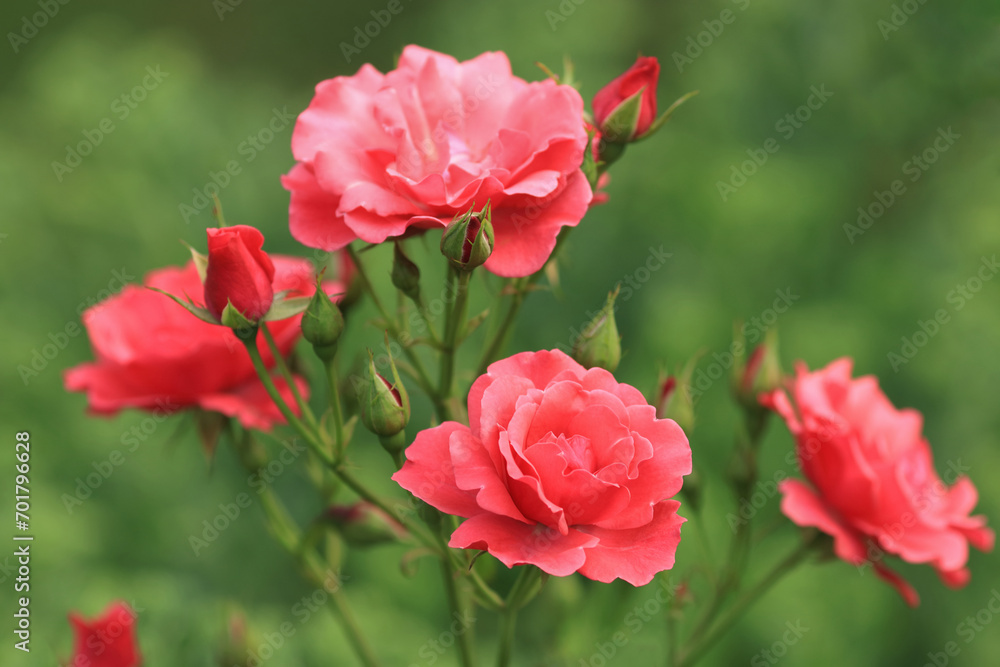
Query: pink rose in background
x: 381, y: 154
x: 563, y: 468
x: 874, y: 488
x: 151, y: 354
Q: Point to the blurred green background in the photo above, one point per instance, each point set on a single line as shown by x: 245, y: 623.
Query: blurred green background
x: 230, y: 64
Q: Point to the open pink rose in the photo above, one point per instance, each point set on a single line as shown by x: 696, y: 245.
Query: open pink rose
x: 874, y: 488
x: 562, y: 468
x: 154, y: 355
x: 380, y: 154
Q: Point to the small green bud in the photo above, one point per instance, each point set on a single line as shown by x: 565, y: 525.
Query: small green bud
x: 385, y: 406
x: 405, y: 274
x: 467, y: 241
x: 759, y: 374
x: 322, y: 324
x: 599, y: 344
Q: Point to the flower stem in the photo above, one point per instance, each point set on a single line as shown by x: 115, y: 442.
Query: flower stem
x: 457, y: 281
x: 279, y: 362
x: 289, y: 535
x: 416, y: 366
x: 699, y: 647
x: 524, y: 589
x: 338, y: 413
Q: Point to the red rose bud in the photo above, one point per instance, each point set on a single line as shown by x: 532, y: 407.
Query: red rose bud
x: 760, y: 374
x: 625, y: 109
x: 239, y: 273
x: 385, y: 406
x: 599, y: 344
x: 363, y: 524
x: 467, y: 241
x: 674, y: 401
x: 106, y: 641
x: 322, y: 324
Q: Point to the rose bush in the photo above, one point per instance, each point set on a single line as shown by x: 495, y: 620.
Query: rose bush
x: 874, y: 487
x: 152, y: 354
x: 381, y: 154
x: 561, y: 467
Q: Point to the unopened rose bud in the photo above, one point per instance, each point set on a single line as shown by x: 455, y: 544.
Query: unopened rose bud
x: 363, y: 524
x: 760, y: 374
x: 385, y: 405
x: 322, y: 324
x: 405, y: 274
x: 625, y: 109
x: 674, y: 402
x: 239, y: 274
x: 600, y: 345
x: 467, y: 241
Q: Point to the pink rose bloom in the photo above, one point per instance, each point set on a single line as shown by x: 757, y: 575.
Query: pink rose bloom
x: 381, y: 154
x: 562, y: 468
x: 874, y: 488
x: 151, y: 354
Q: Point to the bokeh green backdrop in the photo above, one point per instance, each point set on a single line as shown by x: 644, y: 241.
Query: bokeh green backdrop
x: 62, y: 240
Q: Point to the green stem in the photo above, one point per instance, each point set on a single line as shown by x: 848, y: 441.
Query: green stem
x: 452, y: 332
x: 338, y: 413
x: 508, y: 628
x: 416, y: 369
x: 520, y: 594
x: 279, y: 361
x: 521, y: 286
x: 698, y: 648
x: 459, y: 609
x: 288, y: 534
